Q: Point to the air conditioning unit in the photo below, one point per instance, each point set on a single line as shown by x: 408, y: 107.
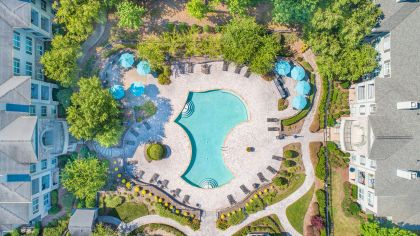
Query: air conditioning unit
x: 407, y: 174
x: 408, y: 105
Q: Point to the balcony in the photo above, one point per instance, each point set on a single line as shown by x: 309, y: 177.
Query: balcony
x: 361, y: 178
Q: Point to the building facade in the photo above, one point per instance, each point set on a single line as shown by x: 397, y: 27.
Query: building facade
x: 382, y: 130
x: 31, y: 134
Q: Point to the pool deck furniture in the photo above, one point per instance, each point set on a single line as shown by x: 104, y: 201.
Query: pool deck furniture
x: 282, y: 91
x: 225, y: 66
x: 176, y: 192
x: 154, y: 178
x: 273, y: 129
x: 190, y: 67
x: 244, y: 189
x: 272, y: 170
x: 186, y: 199
x: 147, y: 125
x: 130, y: 142
x: 255, y: 185
x: 140, y: 174
x: 164, y: 184
x: 231, y: 200
x: 247, y: 73
x: 273, y: 120
x: 205, y: 69
x: 261, y: 177
x: 238, y: 69
x: 133, y: 132
x: 277, y: 158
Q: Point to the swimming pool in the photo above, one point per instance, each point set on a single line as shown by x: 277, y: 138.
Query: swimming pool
x: 207, y: 118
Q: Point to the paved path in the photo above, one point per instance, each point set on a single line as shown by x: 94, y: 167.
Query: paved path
x: 208, y: 226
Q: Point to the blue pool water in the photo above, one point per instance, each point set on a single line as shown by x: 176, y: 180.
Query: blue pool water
x: 207, y: 118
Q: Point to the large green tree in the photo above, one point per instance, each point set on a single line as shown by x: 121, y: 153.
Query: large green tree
x: 60, y: 63
x: 94, y: 114
x: 198, y: 8
x: 77, y: 16
x: 292, y: 12
x: 83, y: 177
x: 130, y: 14
x: 375, y: 229
x: 239, y: 7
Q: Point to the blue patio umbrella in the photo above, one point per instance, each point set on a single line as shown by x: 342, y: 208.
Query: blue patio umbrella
x: 143, y: 68
x: 126, y: 60
x: 137, y: 89
x: 298, y: 73
x: 299, y: 102
x: 117, y: 91
x: 282, y: 68
x: 303, y: 88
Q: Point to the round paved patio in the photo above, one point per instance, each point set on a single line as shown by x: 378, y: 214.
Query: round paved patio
x: 261, y: 99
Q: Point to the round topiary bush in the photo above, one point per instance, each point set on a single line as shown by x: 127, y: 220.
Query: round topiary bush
x: 290, y: 154
x: 156, y: 151
x: 354, y: 208
x: 289, y: 163
x: 280, y: 181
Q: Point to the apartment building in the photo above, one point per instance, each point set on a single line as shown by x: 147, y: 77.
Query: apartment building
x: 31, y: 134
x: 383, y: 130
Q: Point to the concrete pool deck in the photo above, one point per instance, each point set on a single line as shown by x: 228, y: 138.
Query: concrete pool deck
x: 261, y: 99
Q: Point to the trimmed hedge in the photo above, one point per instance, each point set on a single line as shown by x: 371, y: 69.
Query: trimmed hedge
x: 183, y: 220
x: 236, y: 218
x: 320, y: 171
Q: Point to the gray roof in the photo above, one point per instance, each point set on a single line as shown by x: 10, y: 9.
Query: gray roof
x: 82, y: 221
x: 397, y: 132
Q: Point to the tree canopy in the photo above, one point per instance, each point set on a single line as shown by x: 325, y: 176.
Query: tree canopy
x: 239, y: 7
x: 375, y: 229
x: 94, y: 114
x: 130, y: 15
x: 60, y: 63
x: 197, y: 8
x: 293, y: 12
x: 84, y: 177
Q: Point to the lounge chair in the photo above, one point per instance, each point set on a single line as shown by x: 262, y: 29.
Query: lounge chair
x: 273, y: 120
x: 140, y: 175
x: 245, y: 189
x: 176, y: 192
x: 238, y: 69
x: 147, y: 125
x: 186, y: 199
x: 231, y: 200
x: 154, y: 178
x: 272, y: 170
x: 280, y: 88
x: 130, y: 142
x: 273, y: 129
x: 190, y: 67
x: 181, y: 68
x: 135, y: 133
x: 165, y: 184
x: 247, y: 73
x: 281, y: 136
x: 225, y: 66
x: 261, y: 177
x: 255, y: 185
x: 277, y: 158
x: 205, y: 69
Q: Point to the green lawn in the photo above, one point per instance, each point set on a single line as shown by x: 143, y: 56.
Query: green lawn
x: 296, y: 212
x: 129, y: 211
x: 294, y: 185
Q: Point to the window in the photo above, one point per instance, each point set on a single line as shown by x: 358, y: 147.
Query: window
x: 44, y: 164
x: 28, y: 45
x: 39, y: 74
x: 40, y: 49
x: 361, y: 92
x: 362, y: 160
x: 43, y: 5
x: 387, y: 43
x: 16, y: 66
x: 53, y: 111
x: 54, y: 162
x: 45, y: 93
x: 371, y: 181
x: 35, y: 205
x: 372, y: 108
x: 32, y: 168
x: 361, y: 177
x: 362, y: 109
x: 370, y: 198
x: 34, y: 91
x: 387, y: 69
x: 16, y: 40
x: 45, y: 24
x: 371, y: 91
x: 45, y: 183
x: 35, y: 186
x: 34, y: 17
x: 361, y: 194
x: 28, y: 69
x: 373, y: 164
x: 47, y: 199
x: 32, y: 110
x: 43, y: 111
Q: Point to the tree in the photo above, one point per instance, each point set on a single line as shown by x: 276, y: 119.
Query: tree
x: 373, y: 228
x: 77, y: 16
x: 197, y: 9
x: 317, y: 222
x: 60, y: 63
x: 103, y: 230
x: 64, y: 96
x: 94, y: 114
x: 293, y: 12
x: 84, y: 177
x: 264, y: 59
x: 238, y: 7
x: 154, y: 51
x: 130, y: 15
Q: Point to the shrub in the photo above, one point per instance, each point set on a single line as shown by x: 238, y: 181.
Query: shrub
x: 320, y: 197
x: 354, y: 191
x: 345, y: 84
x: 282, y: 104
x: 268, y: 198
x: 156, y: 151
x: 307, y: 66
x: 222, y: 224
x: 290, y: 154
x: 170, y: 26
x: 113, y: 201
x: 320, y: 171
x: 164, y: 77
x: 207, y: 29
x: 57, y: 227
x: 182, y: 27
x: 63, y: 97
x: 294, y: 119
x: 280, y: 182
x: 354, y: 208
x: 196, y: 28
x: 218, y: 28
x: 254, y: 205
x: 236, y: 218
x: 183, y: 220
x: 289, y: 163
x: 317, y: 222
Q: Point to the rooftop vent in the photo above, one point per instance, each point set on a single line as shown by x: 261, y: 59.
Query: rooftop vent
x: 409, y: 105
x: 407, y: 174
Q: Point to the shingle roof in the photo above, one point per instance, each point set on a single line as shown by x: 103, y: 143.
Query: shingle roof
x: 82, y: 218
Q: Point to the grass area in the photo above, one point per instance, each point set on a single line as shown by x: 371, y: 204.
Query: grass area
x: 296, y: 212
x: 293, y: 186
x: 269, y: 224
x: 129, y: 211
x: 343, y: 225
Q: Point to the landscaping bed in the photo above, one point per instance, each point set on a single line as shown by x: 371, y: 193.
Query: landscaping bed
x: 269, y: 224
x: 156, y: 229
